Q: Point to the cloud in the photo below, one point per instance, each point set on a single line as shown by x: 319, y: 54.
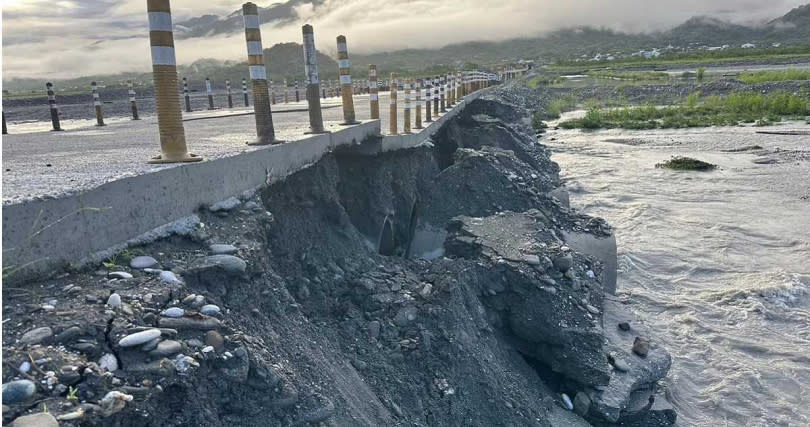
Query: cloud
x: 61, y: 39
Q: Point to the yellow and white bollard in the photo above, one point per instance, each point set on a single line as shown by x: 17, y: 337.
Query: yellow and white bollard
x: 167, y: 99
x: 428, y: 95
x: 418, y: 90
x: 406, y: 116
x: 258, y: 77
x: 311, y: 71
x: 346, y: 87
x: 374, y: 92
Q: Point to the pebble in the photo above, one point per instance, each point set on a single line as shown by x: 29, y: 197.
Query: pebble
x: 426, y: 290
x: 168, y: 277
x: 139, y: 338
x: 624, y: 326
x: 374, y: 329
x: 36, y: 336
x: 189, y: 299
x: 18, y: 391
x: 108, y: 362
x: 619, y: 364
x: 564, y: 262
x: 592, y: 309
x: 220, y: 249
x: 641, y: 346
x: 229, y: 263
x: 214, y: 339
x: 531, y: 259
x: 253, y: 206
x: 198, y: 301
x: 166, y: 348
x: 25, y: 366
x: 68, y: 334
x: 209, y: 310
x: 42, y: 419
x: 225, y: 205
x: 140, y: 262
x: 567, y: 402
x: 114, y: 301
x: 119, y: 275
x: 174, y: 312
x: 405, y: 315
x: 590, y: 274
x: 151, y: 345
x: 582, y: 403
x: 114, y: 402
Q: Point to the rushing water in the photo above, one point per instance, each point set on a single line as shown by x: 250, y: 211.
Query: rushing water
x: 717, y: 263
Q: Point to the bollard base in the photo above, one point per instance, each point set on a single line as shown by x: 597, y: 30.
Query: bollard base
x: 57, y: 130
x: 188, y: 158
x: 349, y: 123
x: 418, y: 127
x: 316, y: 132
x: 271, y: 142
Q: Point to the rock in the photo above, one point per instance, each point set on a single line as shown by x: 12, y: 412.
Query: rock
x: 567, y: 402
x: 374, y: 329
x: 564, y: 262
x: 168, y: 277
x: 214, y: 339
x: 641, y: 346
x: 166, y: 348
x: 220, y: 249
x: 582, y: 403
x: 202, y: 323
x: 236, y: 368
x: 619, y: 364
x: 25, y: 366
x: 119, y: 275
x: 42, y: 419
x: 68, y: 335
x: 137, y: 338
x: 37, y: 336
x: 209, y: 310
x: 531, y: 259
x: 198, y: 301
x: 18, y: 391
x: 69, y: 375
x: 253, y: 206
x: 624, y: 326
x: 114, y: 301
x: 195, y: 343
x: 173, y: 312
x: 592, y: 309
x: 108, y: 362
x: 405, y: 315
x: 114, y: 402
x: 141, y: 262
x: 189, y: 299
x: 225, y: 205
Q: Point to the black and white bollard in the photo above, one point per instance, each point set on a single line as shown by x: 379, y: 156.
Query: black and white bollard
x: 210, y: 93
x: 418, y: 90
x: 297, y: 95
x: 228, y: 88
x: 313, y: 84
x: 132, y: 104
x: 5, y: 129
x: 97, y: 104
x: 185, y: 95
x: 374, y: 96
x: 52, y: 104
x: 436, y: 96
x: 428, y: 91
x: 245, y: 93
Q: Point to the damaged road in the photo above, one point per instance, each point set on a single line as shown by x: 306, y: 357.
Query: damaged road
x: 430, y: 286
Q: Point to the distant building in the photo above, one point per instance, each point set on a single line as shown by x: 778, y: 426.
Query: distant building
x: 748, y: 46
x: 776, y: 44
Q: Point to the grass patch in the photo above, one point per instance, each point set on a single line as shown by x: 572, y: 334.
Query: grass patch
x: 558, y: 106
x: 731, y: 110
x: 614, y: 75
x: 774, y: 76
x: 539, y: 81
x: 686, y: 164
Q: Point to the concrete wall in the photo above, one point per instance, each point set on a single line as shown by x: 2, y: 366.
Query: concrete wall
x: 43, y: 235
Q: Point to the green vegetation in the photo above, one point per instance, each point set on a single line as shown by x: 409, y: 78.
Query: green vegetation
x: 745, y: 107
x: 538, y: 81
x: 538, y: 124
x: 686, y: 164
x: 648, y: 75
x: 774, y: 76
x: 560, y: 105
x: 701, y: 72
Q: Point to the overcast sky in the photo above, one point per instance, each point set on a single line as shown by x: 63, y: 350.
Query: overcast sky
x: 70, y: 38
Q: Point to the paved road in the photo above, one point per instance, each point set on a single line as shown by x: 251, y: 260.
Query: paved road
x: 48, y: 164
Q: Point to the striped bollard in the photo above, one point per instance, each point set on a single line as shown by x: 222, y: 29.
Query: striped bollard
x: 245, y: 93
x: 132, y: 104
x: 406, y: 116
x: 5, y: 129
x: 286, y: 92
x: 450, y: 91
x: 97, y: 104
x: 258, y: 77
x: 228, y: 88
x: 346, y: 87
x: 297, y: 95
x: 167, y: 98
x: 313, y: 85
x: 418, y: 90
x: 323, y: 92
x: 210, y: 93
x: 443, y: 93
x: 374, y: 97
x: 459, y: 87
x: 392, y: 118
x: 428, y: 90
x: 436, y: 97
x: 185, y: 95
x: 52, y: 104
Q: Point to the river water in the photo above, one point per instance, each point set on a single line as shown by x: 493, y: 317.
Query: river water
x: 716, y: 263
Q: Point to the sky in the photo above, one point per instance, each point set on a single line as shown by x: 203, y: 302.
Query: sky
x: 72, y: 38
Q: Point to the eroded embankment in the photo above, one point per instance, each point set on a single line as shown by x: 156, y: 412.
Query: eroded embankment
x: 430, y: 286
